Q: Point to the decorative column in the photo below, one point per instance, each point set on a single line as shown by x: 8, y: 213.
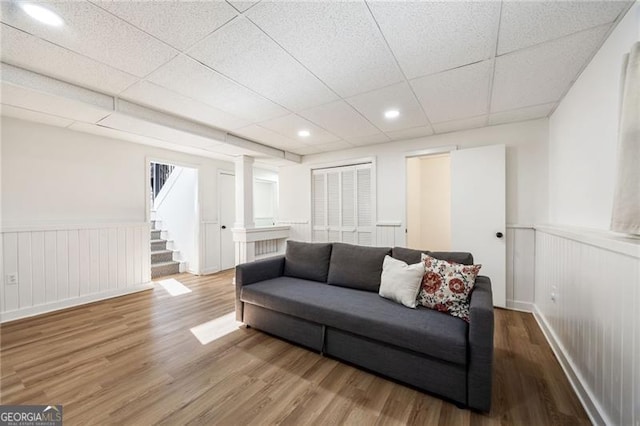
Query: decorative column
x: 244, y: 192
x: 245, y: 251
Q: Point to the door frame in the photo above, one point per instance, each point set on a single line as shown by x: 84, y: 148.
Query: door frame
x: 219, y: 221
x: 198, y: 212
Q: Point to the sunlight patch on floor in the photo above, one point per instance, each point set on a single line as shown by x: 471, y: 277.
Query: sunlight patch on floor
x: 174, y: 287
x: 212, y: 330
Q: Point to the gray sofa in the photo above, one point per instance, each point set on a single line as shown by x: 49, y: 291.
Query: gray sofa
x: 325, y: 297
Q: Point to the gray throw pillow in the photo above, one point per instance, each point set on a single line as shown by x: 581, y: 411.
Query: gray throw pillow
x: 309, y: 261
x: 357, y: 267
x: 412, y: 256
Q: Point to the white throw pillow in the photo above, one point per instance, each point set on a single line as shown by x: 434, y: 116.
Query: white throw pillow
x: 401, y: 282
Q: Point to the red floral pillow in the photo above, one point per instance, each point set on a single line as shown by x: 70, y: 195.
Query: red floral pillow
x: 446, y: 286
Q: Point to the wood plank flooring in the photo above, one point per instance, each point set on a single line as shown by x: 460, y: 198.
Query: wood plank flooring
x: 134, y: 360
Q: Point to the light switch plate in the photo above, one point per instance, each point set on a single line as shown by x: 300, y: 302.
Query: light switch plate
x: 12, y: 279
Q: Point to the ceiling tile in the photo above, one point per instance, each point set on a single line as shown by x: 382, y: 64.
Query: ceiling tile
x: 245, y: 54
x: 340, y: 119
x: 267, y: 137
x: 35, y: 54
x: 522, y: 114
x: 369, y: 139
x: 541, y: 74
x: 338, y: 41
x: 179, y: 24
x: 29, y: 115
x: 96, y: 33
x: 526, y: 23
x: 241, y: 6
x: 206, y: 85
x: 416, y: 132
x: 455, y: 94
x: 429, y: 37
x: 399, y: 97
x: 157, y: 97
x: 290, y: 125
x: 464, y: 124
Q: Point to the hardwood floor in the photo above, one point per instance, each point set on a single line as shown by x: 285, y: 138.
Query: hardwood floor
x: 134, y: 360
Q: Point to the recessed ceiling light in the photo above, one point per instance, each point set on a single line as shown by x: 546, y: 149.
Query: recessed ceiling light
x: 42, y: 14
x: 392, y: 113
x: 304, y: 133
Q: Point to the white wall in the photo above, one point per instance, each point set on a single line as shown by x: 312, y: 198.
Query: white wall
x: 57, y: 175
x: 429, y: 203
x: 583, y: 134
x: 57, y: 185
x: 526, y: 174
x: 587, y: 283
x: 177, y: 209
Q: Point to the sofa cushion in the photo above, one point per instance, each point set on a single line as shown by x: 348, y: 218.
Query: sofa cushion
x: 364, y: 313
x: 413, y: 256
x: 357, y: 267
x: 309, y: 261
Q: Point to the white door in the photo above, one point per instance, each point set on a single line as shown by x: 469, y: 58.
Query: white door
x: 478, y: 211
x: 227, y: 202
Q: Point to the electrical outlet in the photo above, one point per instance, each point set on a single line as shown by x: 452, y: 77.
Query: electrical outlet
x: 12, y: 279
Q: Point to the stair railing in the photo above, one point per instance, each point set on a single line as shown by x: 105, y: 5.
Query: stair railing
x: 159, y: 175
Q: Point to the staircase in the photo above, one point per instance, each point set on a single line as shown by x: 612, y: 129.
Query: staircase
x: 162, y: 262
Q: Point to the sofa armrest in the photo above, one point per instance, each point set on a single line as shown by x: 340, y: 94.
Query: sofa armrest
x: 480, y: 371
x: 253, y: 272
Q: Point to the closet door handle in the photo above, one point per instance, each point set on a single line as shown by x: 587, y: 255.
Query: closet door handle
x: 499, y: 234
x: 223, y: 227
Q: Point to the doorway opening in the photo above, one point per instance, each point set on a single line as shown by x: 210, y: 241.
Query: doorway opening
x: 429, y: 202
x: 172, y: 192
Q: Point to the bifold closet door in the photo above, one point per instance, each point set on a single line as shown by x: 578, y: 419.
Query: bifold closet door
x: 342, y: 205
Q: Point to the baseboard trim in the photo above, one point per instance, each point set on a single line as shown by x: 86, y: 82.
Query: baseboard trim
x: 70, y: 303
x: 589, y: 402
x: 209, y: 271
x: 517, y: 305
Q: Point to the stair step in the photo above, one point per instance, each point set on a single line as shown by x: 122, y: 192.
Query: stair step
x: 155, y: 234
x: 161, y: 256
x: 165, y: 268
x: 157, y: 245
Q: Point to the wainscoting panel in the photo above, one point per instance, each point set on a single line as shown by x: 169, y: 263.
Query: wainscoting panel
x: 520, y: 267
x: 60, y: 266
x: 299, y: 230
x: 210, y: 243
x: 587, y: 299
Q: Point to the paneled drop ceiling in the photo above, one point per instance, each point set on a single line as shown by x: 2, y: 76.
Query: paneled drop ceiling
x: 267, y: 70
